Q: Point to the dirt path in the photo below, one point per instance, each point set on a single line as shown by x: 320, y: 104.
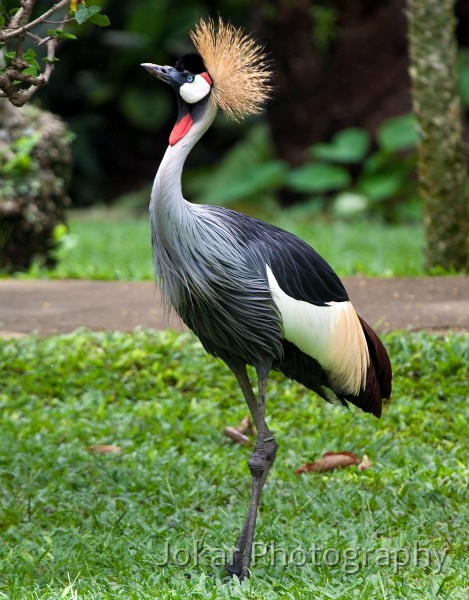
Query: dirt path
x: 56, y: 306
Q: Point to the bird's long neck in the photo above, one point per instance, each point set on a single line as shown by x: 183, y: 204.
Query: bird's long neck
x: 167, y: 201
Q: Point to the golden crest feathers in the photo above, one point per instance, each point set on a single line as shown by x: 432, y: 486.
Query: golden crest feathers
x: 237, y: 65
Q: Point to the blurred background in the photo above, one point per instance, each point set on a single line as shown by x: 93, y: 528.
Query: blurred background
x: 341, y: 77
x: 337, y: 139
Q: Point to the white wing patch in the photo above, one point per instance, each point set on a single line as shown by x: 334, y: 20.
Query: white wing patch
x: 195, y: 91
x: 331, y: 334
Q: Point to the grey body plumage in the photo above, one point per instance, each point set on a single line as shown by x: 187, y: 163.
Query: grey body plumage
x: 253, y: 294
x: 220, y: 291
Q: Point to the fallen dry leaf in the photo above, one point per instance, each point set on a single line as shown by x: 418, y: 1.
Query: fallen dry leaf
x: 332, y: 460
x: 237, y: 436
x: 104, y: 449
x: 246, y: 426
x: 364, y: 464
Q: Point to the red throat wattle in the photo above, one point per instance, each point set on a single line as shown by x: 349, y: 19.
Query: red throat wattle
x: 180, y: 129
x: 207, y: 78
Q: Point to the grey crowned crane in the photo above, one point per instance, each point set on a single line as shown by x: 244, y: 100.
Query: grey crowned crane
x: 252, y: 293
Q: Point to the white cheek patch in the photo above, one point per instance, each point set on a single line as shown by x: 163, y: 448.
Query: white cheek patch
x: 195, y: 91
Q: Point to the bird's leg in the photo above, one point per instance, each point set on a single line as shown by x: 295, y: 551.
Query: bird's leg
x: 260, y: 462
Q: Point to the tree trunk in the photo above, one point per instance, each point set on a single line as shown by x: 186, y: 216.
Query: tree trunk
x: 442, y: 159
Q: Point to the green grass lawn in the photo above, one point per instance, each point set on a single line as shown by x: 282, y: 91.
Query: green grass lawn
x: 115, y: 244
x: 78, y: 524
x: 158, y: 518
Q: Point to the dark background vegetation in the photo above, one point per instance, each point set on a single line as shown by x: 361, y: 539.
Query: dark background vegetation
x: 338, y: 64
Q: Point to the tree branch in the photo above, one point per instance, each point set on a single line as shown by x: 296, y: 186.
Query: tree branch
x: 23, y: 70
x: 18, y: 31
x: 19, y: 28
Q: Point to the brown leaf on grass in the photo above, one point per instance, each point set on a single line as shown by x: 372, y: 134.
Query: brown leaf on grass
x: 364, y: 464
x: 104, y: 449
x: 246, y: 426
x: 330, y: 461
x: 237, y: 436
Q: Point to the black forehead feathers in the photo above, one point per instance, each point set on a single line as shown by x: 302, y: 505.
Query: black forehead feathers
x: 192, y: 63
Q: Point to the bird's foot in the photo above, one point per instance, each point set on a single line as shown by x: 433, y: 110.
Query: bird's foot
x: 236, y: 566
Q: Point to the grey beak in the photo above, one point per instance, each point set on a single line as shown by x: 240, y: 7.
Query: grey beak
x: 165, y: 73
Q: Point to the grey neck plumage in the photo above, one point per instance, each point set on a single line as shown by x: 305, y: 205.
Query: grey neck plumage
x: 167, y: 201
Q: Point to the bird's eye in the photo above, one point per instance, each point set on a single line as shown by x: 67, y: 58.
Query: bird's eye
x: 190, y: 78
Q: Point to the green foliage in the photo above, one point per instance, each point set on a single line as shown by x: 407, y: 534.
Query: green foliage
x: 318, y: 178
x: 33, y: 69
x: 92, y: 14
x: 255, y: 180
x: 15, y: 159
x: 348, y: 146
x: 64, y: 35
x: 384, y: 183
x: 78, y: 524
x: 21, y: 75
x: 349, y: 175
x: 398, y: 134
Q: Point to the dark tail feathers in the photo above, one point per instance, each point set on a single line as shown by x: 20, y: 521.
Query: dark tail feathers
x: 379, y: 375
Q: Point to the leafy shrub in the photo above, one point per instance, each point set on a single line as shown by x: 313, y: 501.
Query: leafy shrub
x: 35, y: 168
x: 351, y: 175
x: 378, y: 181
